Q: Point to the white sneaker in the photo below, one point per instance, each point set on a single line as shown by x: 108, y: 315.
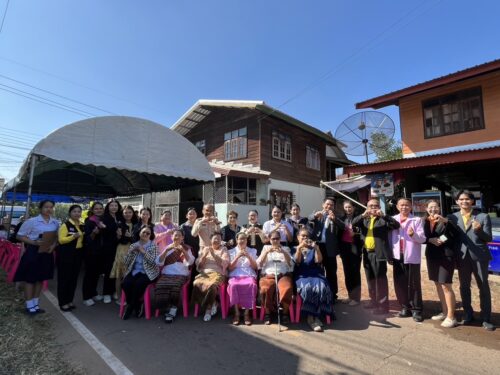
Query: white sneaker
x: 213, y: 310
x: 449, y: 323
x: 89, y: 302
x: 98, y: 298
x: 440, y: 316
x: 207, y: 316
x: 107, y: 298
x: 353, y: 303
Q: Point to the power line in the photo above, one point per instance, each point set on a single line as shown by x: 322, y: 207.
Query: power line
x: 55, y: 94
x: 4, y: 15
x: 59, y: 106
x: 16, y: 147
x: 21, y: 131
x: 79, y: 84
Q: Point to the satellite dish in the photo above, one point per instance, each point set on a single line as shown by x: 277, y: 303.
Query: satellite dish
x: 365, y: 131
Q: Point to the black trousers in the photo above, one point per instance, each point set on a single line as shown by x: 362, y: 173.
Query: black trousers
x: 97, y: 264
x: 69, y: 262
x: 351, y: 263
x: 134, y: 288
x: 376, y: 275
x: 407, y: 285
x: 330, y: 264
x: 466, y: 267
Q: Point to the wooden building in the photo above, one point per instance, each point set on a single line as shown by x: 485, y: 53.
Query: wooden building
x: 450, y: 128
x: 260, y: 157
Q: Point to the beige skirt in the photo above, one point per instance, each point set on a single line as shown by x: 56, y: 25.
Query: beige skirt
x: 118, y: 270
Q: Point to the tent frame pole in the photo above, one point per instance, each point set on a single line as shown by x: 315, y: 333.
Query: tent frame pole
x: 30, y: 185
x: 345, y: 196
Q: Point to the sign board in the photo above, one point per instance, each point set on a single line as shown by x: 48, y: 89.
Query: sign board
x: 382, y: 184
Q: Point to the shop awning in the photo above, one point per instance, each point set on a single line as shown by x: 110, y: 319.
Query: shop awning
x: 112, y: 156
x: 349, y: 185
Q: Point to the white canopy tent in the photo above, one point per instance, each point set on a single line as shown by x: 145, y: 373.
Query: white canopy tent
x: 111, y: 156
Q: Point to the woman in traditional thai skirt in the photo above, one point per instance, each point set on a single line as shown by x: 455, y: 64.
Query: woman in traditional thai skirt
x: 242, y: 283
x: 312, y: 285
x: 212, y: 265
x: 175, y: 260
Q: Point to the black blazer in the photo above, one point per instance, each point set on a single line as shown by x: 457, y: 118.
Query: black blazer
x: 476, y: 243
x: 381, y: 230
x: 445, y: 250
x: 332, y: 234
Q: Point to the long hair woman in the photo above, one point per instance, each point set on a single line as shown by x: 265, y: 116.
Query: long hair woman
x: 124, y: 235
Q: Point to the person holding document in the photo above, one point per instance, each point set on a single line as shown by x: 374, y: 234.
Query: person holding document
x: 39, y: 234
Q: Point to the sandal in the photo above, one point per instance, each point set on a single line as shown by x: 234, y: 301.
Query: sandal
x: 236, y: 320
x: 247, y: 318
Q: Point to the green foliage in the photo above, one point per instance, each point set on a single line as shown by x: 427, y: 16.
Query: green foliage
x: 385, y: 148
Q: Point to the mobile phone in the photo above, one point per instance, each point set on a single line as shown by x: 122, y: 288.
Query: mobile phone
x: 443, y: 238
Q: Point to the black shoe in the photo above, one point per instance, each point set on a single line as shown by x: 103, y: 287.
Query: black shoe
x: 370, y: 305
x: 468, y: 320
x: 404, y: 313
x: 65, y: 309
x: 381, y: 311
x: 40, y: 311
x: 128, y: 312
x: 488, y: 326
x: 267, y: 319
x: 417, y: 316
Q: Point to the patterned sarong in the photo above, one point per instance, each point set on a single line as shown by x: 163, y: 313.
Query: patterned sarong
x: 242, y: 291
x: 168, y: 290
x: 205, y: 288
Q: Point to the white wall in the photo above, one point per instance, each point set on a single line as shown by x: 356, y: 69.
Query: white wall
x: 309, y: 198
x: 242, y: 210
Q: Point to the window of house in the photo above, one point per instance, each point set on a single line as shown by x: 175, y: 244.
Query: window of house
x: 459, y: 112
x: 242, y: 190
x: 235, y: 144
x: 200, y: 145
x: 282, y: 146
x: 312, y: 158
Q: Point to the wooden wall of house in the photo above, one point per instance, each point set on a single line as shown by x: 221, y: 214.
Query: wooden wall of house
x: 296, y: 170
x: 223, y: 120
x: 412, y: 119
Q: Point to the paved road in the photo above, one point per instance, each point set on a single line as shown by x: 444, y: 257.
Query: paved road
x: 358, y: 343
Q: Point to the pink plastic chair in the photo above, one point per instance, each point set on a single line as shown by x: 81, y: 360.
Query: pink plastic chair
x: 185, y: 300
x: 223, y: 302
x: 299, y: 306
x: 12, y: 261
x: 147, y: 301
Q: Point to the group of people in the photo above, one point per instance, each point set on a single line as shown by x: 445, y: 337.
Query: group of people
x: 256, y: 263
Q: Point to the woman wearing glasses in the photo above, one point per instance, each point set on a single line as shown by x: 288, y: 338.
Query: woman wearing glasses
x: 141, y: 270
x: 275, y: 260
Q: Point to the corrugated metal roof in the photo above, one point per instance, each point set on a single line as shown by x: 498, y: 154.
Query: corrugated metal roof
x: 392, y: 98
x: 455, y: 157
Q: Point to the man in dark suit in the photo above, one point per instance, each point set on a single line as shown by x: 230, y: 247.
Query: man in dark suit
x: 374, y: 227
x: 472, y: 245
x: 326, y: 231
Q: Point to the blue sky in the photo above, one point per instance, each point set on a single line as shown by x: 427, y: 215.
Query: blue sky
x: 154, y: 59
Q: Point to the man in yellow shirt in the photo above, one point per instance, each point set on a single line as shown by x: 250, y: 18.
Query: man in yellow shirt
x: 374, y: 227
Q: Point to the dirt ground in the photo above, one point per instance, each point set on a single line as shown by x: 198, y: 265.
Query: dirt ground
x: 27, y: 344
x: 474, y: 334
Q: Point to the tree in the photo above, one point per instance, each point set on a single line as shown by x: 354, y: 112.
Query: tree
x: 385, y: 148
